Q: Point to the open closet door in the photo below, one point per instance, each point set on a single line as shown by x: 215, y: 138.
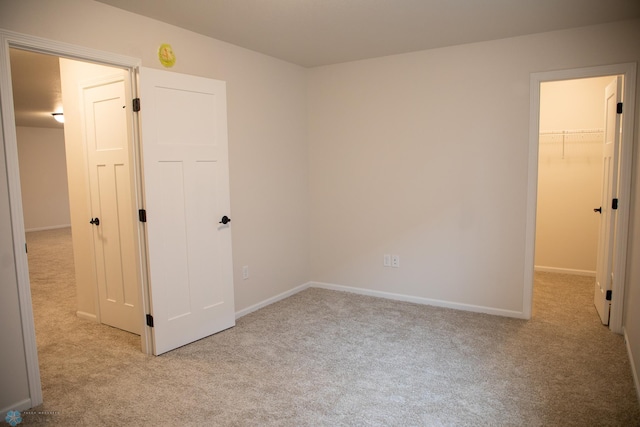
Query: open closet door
x: 186, y: 181
x: 604, y: 267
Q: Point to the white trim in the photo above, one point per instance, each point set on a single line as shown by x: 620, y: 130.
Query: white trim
x: 272, y: 300
x: 87, y: 316
x: 381, y: 294
x: 628, y: 70
x: 565, y: 271
x: 624, y: 196
x: 636, y: 382
x: 10, y: 39
x: 19, y: 406
x: 48, y: 47
x: 17, y: 223
x: 52, y: 227
x: 420, y: 300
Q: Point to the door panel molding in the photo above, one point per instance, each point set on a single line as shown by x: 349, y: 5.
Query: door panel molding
x: 628, y: 70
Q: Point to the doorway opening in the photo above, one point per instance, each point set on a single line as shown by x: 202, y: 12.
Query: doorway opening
x: 569, y: 175
x: 52, y: 179
x: 65, y: 178
x: 570, y: 168
x: 570, y: 122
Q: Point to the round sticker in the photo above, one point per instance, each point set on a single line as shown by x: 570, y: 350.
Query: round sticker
x: 166, y: 55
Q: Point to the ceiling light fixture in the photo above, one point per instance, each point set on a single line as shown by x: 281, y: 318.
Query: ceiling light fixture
x: 59, y: 117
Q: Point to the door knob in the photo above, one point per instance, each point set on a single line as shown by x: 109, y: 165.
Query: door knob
x: 95, y: 221
x: 599, y: 210
x: 225, y: 219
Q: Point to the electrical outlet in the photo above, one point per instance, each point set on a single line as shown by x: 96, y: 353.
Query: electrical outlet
x: 387, y: 260
x: 395, y: 261
x: 245, y: 272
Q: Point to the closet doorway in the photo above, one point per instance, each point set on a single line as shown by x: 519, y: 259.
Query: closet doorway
x: 569, y: 219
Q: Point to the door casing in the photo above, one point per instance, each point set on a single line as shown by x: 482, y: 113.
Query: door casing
x: 628, y: 70
x: 10, y: 39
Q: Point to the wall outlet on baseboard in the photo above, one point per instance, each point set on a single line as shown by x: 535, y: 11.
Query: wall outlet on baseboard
x: 395, y: 261
x: 245, y: 272
x: 387, y: 260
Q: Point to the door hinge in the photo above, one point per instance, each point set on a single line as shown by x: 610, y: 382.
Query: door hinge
x: 150, y: 320
x: 619, y: 108
x: 614, y: 204
x: 26, y: 251
x: 608, y: 296
x: 136, y: 104
x: 142, y: 215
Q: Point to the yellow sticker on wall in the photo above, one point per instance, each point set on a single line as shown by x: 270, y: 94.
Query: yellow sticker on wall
x: 166, y: 55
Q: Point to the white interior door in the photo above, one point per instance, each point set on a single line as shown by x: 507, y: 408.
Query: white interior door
x: 186, y: 175
x: 604, y: 268
x: 107, y: 134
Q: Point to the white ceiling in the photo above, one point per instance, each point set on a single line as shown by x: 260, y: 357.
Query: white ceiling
x: 320, y: 32
x: 36, y: 88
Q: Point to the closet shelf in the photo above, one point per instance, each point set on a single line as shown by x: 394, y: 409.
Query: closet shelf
x: 570, y: 136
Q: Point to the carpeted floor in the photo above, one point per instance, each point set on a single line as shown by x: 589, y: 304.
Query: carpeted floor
x: 327, y: 358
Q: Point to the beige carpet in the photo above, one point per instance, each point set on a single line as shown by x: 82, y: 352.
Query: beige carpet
x: 326, y: 358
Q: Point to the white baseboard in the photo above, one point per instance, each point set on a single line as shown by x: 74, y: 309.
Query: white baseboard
x: 18, y: 406
x: 380, y: 294
x: 631, y: 362
x: 565, y: 271
x: 87, y: 316
x: 421, y: 300
x: 52, y: 227
x: 271, y: 300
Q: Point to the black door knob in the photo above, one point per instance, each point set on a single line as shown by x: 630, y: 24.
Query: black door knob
x: 225, y: 219
x: 599, y: 210
x: 95, y: 221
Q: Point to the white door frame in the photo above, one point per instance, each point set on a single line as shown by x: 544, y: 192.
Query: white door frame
x: 10, y: 39
x: 627, y: 70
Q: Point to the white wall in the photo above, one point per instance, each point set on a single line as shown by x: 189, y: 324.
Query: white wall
x: 422, y: 155
x: 573, y: 104
x: 425, y: 155
x: 632, y: 285
x: 43, y: 178
x: 569, y: 175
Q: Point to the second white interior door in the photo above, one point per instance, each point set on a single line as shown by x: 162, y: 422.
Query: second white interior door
x: 107, y: 136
